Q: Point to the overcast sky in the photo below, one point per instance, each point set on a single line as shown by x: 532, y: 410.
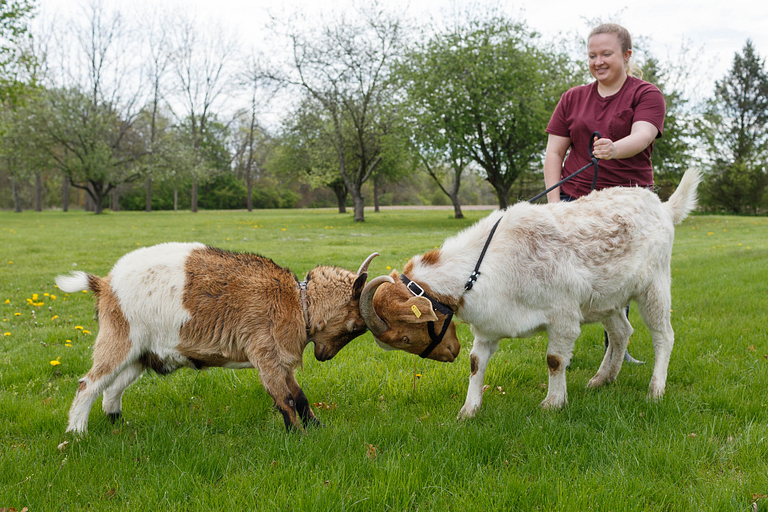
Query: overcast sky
x: 715, y: 29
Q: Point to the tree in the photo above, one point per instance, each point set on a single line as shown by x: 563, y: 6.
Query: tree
x: 88, y: 142
x: 201, y: 65
x: 672, y: 153
x: 17, y: 81
x: 346, y: 68
x: 16, y: 59
x: 735, y: 132
x: 484, y: 90
x: 305, y: 151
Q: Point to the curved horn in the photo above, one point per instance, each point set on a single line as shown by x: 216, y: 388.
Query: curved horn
x: 364, y: 267
x: 372, y: 320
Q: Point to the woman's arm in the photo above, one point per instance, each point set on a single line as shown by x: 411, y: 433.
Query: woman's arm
x: 641, y: 136
x: 553, y: 163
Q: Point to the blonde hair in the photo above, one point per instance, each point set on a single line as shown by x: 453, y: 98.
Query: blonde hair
x: 625, y: 40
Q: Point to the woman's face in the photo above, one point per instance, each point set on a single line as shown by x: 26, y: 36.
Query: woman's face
x: 606, y: 61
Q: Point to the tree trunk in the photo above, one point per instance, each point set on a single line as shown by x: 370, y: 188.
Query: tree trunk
x: 16, y: 198
x: 341, y: 195
x: 89, y: 206
x: 149, y: 196
x: 115, y: 200
x: 65, y: 187
x: 194, y: 195
x: 457, y: 214
x: 501, y: 194
x: 38, y: 192
x: 357, y: 195
x: 249, y: 188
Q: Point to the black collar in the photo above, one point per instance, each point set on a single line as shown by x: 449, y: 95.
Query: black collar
x: 304, y: 304
x: 418, y: 291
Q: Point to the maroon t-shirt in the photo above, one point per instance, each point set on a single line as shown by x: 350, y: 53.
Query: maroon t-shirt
x: 582, y: 110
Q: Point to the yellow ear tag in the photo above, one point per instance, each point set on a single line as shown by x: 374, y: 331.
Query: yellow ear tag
x: 416, y: 311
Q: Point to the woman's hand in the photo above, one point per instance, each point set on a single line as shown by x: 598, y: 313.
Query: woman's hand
x: 604, y: 149
x: 643, y: 133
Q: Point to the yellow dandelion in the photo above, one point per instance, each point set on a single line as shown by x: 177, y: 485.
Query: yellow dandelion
x: 10, y: 263
x: 17, y: 314
x: 56, y: 362
x: 6, y: 334
x: 34, y: 296
x: 85, y: 291
x: 86, y: 332
x: 7, y: 301
x: 55, y: 317
x: 67, y: 344
x: 80, y: 327
x: 389, y: 268
x: 53, y: 297
x: 46, y: 295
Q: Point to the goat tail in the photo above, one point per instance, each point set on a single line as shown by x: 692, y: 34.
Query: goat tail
x: 78, y: 282
x: 684, y: 200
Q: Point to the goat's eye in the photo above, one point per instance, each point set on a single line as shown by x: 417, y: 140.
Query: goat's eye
x: 406, y: 340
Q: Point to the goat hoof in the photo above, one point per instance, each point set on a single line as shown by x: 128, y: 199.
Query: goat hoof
x: 114, y: 417
x: 466, y: 413
x: 553, y: 404
x: 596, y: 382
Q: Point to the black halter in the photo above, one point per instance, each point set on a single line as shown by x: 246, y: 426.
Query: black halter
x: 418, y: 291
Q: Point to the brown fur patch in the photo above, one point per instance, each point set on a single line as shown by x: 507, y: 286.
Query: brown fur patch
x: 244, y: 307
x: 553, y: 362
x: 82, y: 386
x: 112, y: 344
x: 472, y: 364
x: 431, y: 257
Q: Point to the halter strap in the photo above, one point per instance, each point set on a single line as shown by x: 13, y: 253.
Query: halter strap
x: 418, y: 291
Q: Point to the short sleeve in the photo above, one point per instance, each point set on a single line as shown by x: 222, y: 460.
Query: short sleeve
x: 650, y: 107
x: 558, y: 124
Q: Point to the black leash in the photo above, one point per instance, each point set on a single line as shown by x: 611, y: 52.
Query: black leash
x: 417, y: 290
x: 593, y: 163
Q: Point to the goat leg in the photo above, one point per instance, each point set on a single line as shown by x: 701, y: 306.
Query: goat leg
x: 482, y: 351
x: 305, y: 412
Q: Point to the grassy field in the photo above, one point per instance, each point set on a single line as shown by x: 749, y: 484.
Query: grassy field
x: 211, y: 441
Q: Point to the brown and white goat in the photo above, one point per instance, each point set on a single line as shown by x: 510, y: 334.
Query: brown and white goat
x: 189, y: 305
x: 549, y: 267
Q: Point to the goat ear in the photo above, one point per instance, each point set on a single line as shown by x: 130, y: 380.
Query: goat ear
x: 357, y: 288
x: 415, y: 310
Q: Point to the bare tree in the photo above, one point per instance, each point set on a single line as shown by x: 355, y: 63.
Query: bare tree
x: 201, y: 63
x: 156, y: 67
x: 89, y: 112
x: 346, y: 69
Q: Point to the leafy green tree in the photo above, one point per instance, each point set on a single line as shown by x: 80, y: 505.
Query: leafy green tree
x: 484, y: 90
x: 305, y: 151
x: 735, y: 132
x: 87, y: 141
x: 672, y: 154
x: 17, y: 61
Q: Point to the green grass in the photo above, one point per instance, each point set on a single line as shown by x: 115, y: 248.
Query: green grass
x: 210, y: 440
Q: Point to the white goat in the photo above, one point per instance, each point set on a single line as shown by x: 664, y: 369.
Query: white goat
x: 553, y: 267
x: 188, y: 305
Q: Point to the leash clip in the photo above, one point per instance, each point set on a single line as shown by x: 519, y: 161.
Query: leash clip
x: 471, y: 281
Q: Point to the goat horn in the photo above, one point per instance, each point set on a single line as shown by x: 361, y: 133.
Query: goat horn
x: 364, y: 267
x: 367, y: 311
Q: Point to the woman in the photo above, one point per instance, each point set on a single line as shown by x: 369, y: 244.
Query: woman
x: 627, y: 111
